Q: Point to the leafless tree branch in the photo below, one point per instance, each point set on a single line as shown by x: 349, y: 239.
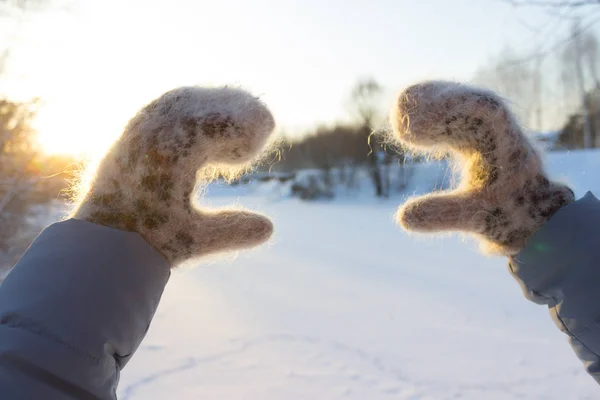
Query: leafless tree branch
x: 553, y: 4
x: 554, y: 47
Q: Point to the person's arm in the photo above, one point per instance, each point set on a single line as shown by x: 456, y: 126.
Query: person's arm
x: 560, y: 267
x: 507, y: 202
x: 74, y: 309
x: 77, y: 305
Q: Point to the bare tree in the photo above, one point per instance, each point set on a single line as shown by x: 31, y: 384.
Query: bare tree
x: 521, y: 83
x: 578, y: 61
x: 553, y: 4
x: 589, y: 48
x: 365, y: 100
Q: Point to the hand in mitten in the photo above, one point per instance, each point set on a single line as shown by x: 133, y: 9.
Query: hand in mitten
x: 145, y: 181
x: 504, y: 195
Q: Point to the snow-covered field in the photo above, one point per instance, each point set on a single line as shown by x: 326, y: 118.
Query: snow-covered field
x: 344, y: 305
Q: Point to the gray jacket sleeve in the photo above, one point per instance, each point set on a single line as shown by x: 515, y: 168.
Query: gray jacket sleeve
x: 561, y: 268
x: 74, y: 310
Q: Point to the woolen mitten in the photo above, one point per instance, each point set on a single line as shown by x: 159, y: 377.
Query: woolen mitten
x: 145, y: 181
x: 504, y: 195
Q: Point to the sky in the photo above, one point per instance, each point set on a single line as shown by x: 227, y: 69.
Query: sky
x: 94, y: 63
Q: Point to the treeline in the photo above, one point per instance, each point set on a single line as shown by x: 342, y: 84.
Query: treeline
x: 327, y: 147
x: 340, y: 155
x: 341, y: 151
x: 28, y: 178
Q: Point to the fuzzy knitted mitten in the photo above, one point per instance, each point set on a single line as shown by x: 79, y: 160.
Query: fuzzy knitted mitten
x: 144, y: 182
x: 504, y: 195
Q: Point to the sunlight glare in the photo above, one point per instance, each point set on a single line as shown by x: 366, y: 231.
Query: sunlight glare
x: 68, y: 131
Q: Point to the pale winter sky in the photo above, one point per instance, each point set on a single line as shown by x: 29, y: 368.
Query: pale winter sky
x: 96, y: 62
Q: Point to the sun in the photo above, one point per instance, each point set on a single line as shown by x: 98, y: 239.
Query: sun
x: 70, y: 132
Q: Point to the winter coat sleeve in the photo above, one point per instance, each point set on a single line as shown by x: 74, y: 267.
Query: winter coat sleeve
x: 74, y: 310
x: 560, y: 267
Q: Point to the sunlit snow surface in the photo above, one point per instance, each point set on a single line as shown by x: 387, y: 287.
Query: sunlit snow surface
x: 343, y: 305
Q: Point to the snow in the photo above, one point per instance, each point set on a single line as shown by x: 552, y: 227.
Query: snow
x: 344, y: 305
